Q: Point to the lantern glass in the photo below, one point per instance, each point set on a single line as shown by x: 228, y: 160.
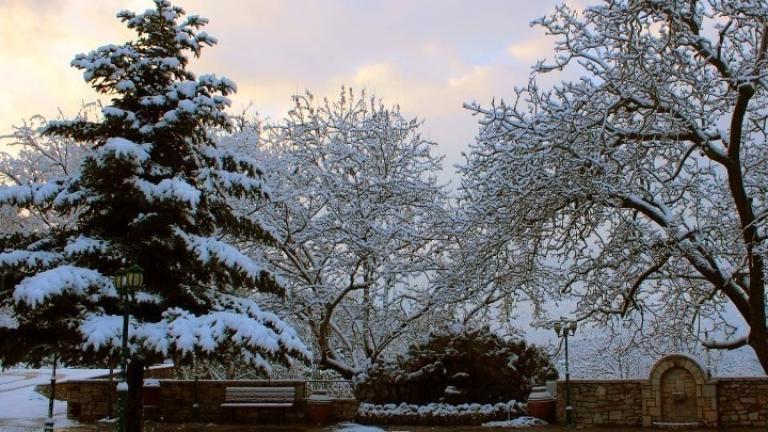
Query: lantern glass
x: 573, y: 327
x: 135, y: 276
x: 558, y: 326
x: 120, y: 279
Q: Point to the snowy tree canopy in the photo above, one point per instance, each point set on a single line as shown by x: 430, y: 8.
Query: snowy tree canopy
x: 37, y: 159
x: 354, y: 205
x: 152, y: 189
x: 641, y: 187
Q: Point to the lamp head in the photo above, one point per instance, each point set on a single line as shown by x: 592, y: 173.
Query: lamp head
x: 134, y: 276
x: 558, y: 326
x: 120, y: 279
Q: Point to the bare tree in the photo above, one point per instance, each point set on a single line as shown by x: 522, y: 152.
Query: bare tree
x: 353, y: 205
x: 642, y: 185
x: 32, y: 157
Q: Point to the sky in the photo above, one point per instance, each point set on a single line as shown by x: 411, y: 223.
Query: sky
x: 428, y: 56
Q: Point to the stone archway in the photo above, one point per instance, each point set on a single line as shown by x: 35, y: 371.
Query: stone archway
x: 678, y: 392
x: 678, y: 396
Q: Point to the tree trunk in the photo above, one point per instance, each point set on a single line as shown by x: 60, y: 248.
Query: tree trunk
x: 761, y: 351
x: 134, y: 421
x: 327, y: 364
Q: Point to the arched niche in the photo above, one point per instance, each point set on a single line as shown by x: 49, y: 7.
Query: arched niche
x: 679, y: 393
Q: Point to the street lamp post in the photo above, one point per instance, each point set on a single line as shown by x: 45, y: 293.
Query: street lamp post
x: 126, y: 281
x: 709, y: 359
x: 563, y: 329
x: 49, y: 421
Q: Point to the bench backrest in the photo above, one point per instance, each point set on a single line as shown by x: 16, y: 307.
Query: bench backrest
x: 260, y: 394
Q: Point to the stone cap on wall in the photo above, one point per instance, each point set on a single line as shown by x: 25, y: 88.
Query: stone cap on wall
x: 603, y: 381
x: 741, y: 378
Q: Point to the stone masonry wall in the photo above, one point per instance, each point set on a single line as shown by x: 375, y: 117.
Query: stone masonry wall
x: 603, y: 402
x: 157, y: 372
x: 345, y: 409
x: 740, y: 402
x: 743, y: 401
x: 87, y: 400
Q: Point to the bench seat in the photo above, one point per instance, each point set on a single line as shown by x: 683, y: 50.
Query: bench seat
x: 257, y: 405
x: 264, y: 397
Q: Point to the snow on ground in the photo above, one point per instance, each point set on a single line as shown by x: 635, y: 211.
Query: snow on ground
x: 354, y: 427
x: 22, y: 408
x: 520, y: 422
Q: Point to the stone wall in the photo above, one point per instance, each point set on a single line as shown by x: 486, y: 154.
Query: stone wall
x: 677, y: 392
x: 157, y: 372
x: 88, y: 400
x: 603, y: 402
x: 345, y: 409
x: 743, y: 401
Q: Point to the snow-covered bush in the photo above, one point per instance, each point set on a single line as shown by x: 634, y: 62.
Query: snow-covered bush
x: 437, y: 413
x: 468, y: 366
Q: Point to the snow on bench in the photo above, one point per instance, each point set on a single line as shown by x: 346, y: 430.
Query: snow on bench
x: 259, y: 397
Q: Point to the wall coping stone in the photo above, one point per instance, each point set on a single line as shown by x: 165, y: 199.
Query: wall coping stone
x: 106, y: 380
x: 605, y: 381
x: 750, y: 379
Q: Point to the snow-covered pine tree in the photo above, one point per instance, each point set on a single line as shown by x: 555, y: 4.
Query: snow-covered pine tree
x: 153, y: 191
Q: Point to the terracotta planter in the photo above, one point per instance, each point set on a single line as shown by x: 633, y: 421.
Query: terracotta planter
x: 151, y: 395
x: 541, y: 404
x: 320, y: 407
x: 543, y: 409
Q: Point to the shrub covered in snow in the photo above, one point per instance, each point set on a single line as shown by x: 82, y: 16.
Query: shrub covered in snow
x: 437, y: 413
x: 468, y: 366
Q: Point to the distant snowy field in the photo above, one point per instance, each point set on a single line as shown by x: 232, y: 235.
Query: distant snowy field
x: 22, y: 409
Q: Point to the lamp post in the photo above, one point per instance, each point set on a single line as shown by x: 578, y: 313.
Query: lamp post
x: 709, y: 359
x: 564, y: 328
x: 126, y: 281
x: 49, y: 421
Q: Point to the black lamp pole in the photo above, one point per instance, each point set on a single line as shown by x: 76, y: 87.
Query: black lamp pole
x: 49, y: 421
x: 126, y: 281
x: 195, y: 400
x: 564, y: 329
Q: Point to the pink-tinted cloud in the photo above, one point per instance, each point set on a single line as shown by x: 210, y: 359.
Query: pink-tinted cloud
x: 429, y: 56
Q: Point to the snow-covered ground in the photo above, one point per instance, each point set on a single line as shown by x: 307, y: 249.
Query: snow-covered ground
x: 354, y: 427
x: 517, y: 423
x: 22, y: 408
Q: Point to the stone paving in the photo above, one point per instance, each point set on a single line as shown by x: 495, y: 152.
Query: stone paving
x: 343, y: 427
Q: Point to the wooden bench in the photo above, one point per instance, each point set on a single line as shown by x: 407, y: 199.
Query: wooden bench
x: 266, y: 397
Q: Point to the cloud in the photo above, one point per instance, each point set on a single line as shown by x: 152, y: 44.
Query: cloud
x: 428, y: 56
x: 531, y: 50
x: 368, y: 75
x: 477, y: 73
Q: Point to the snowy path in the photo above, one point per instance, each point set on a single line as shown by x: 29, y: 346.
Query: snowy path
x: 22, y: 408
